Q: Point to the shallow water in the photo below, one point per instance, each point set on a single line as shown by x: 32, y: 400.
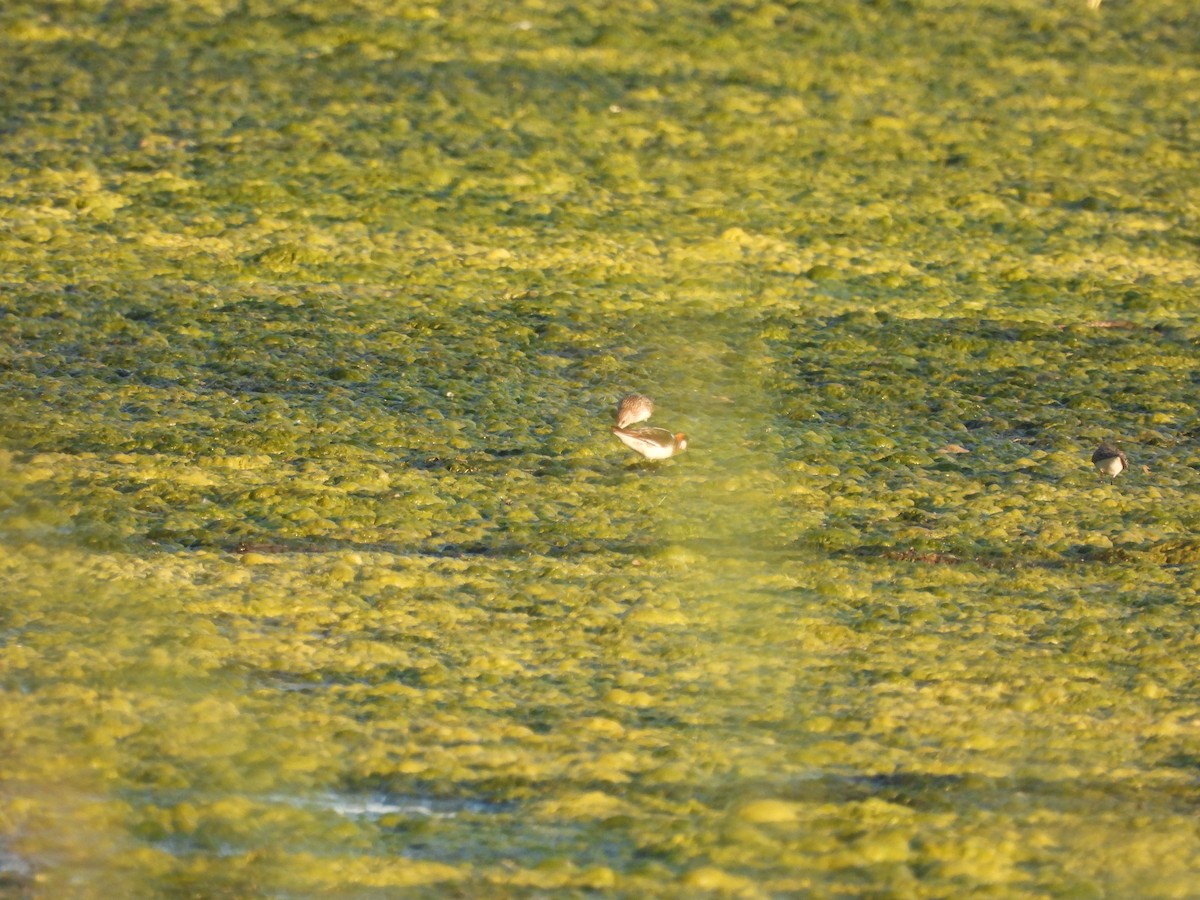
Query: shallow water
x: 323, y: 575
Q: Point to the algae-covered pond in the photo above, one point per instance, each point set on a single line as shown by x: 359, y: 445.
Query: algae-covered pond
x: 322, y: 576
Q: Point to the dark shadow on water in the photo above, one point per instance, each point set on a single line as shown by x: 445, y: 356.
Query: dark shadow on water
x: 927, y: 792
x: 451, y: 550
x: 1015, y: 558
x: 765, y: 546
x: 486, y: 822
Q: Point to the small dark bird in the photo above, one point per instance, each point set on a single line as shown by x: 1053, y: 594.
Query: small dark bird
x: 1110, y: 460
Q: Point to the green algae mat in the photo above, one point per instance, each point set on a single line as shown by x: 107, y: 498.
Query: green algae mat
x: 321, y: 574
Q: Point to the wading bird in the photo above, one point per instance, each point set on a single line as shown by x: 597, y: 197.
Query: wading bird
x: 1110, y: 460
x: 652, y: 443
x: 632, y: 409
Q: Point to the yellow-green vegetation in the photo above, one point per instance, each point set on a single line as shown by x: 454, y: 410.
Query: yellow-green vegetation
x: 321, y: 576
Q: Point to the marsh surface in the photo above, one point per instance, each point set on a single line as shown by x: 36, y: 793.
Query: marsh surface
x: 322, y: 575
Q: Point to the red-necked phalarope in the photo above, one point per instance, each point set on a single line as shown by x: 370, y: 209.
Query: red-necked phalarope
x: 652, y: 443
